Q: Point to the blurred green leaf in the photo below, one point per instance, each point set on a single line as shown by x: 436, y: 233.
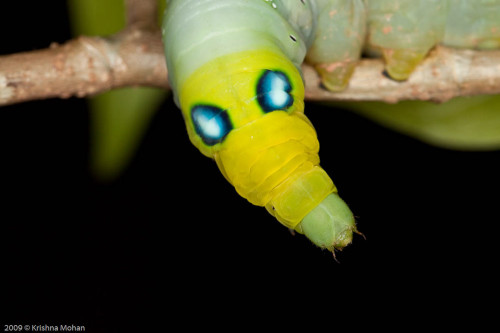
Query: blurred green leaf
x: 464, y: 123
x: 162, y: 5
x: 119, y: 118
x: 96, y: 17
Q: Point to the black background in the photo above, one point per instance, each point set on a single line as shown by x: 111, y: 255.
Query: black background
x: 173, y: 238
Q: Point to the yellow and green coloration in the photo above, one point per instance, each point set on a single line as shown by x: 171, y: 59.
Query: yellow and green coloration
x: 244, y: 107
x: 260, y: 138
x: 234, y: 68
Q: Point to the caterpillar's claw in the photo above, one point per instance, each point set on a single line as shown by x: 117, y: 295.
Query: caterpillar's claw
x: 359, y: 233
x: 400, y: 63
x: 335, y: 76
x: 330, y: 224
x: 335, y: 257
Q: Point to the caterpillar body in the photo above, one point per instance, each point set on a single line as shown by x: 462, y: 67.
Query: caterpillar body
x: 403, y: 31
x: 234, y: 68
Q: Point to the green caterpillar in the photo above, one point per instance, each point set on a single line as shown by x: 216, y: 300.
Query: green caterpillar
x: 235, y: 70
x: 404, y: 31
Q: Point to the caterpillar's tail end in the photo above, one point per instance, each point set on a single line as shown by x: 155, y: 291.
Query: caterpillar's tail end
x: 330, y: 224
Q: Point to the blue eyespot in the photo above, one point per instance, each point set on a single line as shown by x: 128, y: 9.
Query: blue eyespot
x: 273, y: 91
x: 211, y: 123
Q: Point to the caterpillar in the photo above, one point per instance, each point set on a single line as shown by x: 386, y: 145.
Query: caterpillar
x: 235, y: 71
x: 404, y: 31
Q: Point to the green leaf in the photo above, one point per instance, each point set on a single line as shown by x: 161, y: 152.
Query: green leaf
x: 119, y: 118
x: 96, y: 17
x: 464, y: 123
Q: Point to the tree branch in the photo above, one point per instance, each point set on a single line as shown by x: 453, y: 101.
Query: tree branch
x: 444, y: 74
x: 84, y: 66
x: 91, y: 65
x: 141, y: 14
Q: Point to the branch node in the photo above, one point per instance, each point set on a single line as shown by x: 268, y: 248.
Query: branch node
x: 141, y: 14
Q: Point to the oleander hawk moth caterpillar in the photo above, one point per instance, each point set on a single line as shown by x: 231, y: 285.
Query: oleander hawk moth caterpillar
x: 235, y: 71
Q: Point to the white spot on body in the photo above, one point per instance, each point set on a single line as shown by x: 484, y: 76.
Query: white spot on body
x: 210, y: 126
x: 278, y: 93
x: 279, y: 97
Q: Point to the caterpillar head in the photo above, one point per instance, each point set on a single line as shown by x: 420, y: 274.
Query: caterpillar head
x: 246, y: 111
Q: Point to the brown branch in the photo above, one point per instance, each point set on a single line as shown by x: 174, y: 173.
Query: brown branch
x: 84, y: 66
x: 444, y: 74
x: 87, y: 66
x: 141, y: 14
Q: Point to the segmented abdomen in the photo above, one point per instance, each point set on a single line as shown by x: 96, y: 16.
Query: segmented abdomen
x: 274, y: 162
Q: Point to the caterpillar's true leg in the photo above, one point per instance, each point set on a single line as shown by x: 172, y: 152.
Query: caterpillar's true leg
x: 340, y: 35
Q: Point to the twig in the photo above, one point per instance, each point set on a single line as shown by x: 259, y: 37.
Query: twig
x: 141, y: 14
x: 84, y: 66
x: 444, y: 74
x: 87, y: 66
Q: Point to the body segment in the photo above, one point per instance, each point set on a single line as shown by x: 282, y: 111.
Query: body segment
x: 404, y: 31
x: 473, y: 24
x: 338, y: 41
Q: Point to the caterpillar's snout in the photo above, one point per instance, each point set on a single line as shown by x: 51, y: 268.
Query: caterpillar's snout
x: 273, y: 162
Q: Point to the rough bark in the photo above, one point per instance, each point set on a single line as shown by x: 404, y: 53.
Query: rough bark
x: 444, y: 74
x: 84, y: 66
x: 91, y: 65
